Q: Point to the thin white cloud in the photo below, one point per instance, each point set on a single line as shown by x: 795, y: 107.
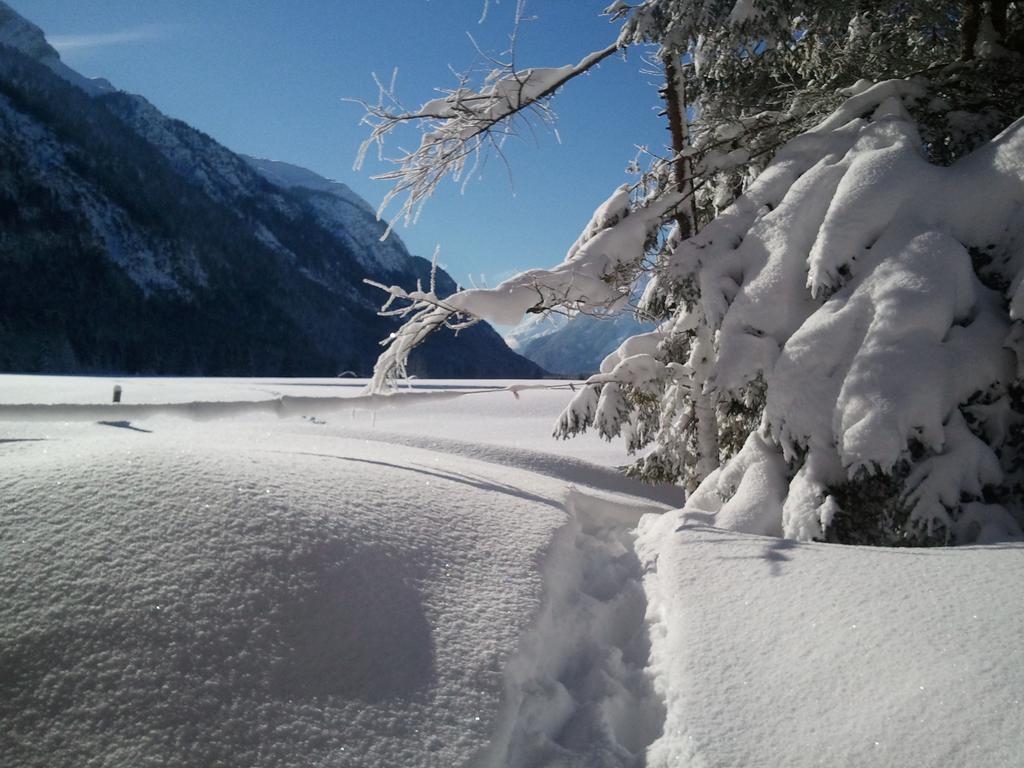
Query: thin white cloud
x: 139, y: 34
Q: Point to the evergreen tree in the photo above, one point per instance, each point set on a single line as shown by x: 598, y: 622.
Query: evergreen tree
x: 834, y: 247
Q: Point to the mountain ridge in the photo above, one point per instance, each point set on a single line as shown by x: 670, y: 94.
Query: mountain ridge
x: 135, y: 243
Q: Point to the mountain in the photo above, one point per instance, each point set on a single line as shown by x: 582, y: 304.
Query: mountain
x: 572, y: 346
x: 131, y: 242
x: 20, y: 34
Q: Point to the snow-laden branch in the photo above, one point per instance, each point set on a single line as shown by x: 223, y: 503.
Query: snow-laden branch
x: 460, y: 126
x: 596, y: 274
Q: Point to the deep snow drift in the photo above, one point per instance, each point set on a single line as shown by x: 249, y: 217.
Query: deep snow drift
x: 777, y: 653
x: 192, y: 579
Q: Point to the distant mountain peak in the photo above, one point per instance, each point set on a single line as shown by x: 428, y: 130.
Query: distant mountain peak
x: 18, y: 32
x: 340, y: 210
x: 290, y: 176
x: 21, y: 34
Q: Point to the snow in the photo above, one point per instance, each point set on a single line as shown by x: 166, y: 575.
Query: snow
x: 589, y: 643
x: 748, y: 493
x: 287, y: 572
x: 481, y: 411
x: 246, y: 589
x: 281, y: 572
x: 771, y: 652
x: 281, y: 604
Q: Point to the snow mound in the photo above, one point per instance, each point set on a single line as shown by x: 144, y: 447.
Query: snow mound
x: 773, y: 653
x: 181, y: 601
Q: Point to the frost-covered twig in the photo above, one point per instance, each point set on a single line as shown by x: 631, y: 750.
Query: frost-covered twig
x: 460, y: 126
x: 426, y: 314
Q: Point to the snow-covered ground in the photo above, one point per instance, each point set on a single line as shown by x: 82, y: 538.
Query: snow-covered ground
x: 278, y: 573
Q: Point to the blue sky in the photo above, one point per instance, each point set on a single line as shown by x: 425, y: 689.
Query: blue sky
x: 268, y: 78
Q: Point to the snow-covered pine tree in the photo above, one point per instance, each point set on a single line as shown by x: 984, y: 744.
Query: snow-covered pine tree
x: 837, y: 243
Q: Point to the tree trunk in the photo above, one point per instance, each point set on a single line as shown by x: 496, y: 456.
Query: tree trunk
x: 675, y: 103
x: 969, y: 28
x: 705, y: 405
x: 998, y: 10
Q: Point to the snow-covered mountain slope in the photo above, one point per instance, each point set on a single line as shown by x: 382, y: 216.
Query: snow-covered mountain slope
x: 134, y: 242
x: 289, y: 176
x: 533, y: 327
x: 340, y: 211
x: 573, y: 346
x: 24, y: 36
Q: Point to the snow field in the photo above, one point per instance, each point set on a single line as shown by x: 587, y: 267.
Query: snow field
x: 435, y: 586
x: 446, y: 409
x: 250, y: 590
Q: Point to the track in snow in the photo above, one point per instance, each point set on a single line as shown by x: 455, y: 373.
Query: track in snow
x: 577, y: 693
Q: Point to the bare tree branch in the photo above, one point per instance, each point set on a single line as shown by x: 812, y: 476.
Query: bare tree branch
x: 461, y: 124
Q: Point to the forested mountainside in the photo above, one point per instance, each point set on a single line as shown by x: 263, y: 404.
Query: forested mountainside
x: 131, y: 242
